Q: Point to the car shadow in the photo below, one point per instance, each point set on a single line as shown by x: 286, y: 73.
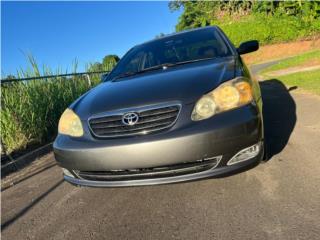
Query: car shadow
x: 279, y: 115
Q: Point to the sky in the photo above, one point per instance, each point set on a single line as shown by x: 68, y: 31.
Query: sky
x: 57, y: 33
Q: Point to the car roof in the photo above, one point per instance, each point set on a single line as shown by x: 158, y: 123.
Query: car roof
x: 178, y: 33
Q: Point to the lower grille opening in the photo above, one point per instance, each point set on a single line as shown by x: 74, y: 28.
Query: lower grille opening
x: 149, y: 173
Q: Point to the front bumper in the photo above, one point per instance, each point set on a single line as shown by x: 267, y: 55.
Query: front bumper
x: 175, y: 179
x: 223, y: 135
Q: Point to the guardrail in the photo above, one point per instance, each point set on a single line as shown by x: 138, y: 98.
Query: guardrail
x: 3, y: 81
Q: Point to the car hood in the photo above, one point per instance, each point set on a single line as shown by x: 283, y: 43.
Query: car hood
x: 184, y: 83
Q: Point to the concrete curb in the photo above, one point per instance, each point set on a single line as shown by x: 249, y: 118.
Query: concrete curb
x: 291, y: 70
x: 24, y: 160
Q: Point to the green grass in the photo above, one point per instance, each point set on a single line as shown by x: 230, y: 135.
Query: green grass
x: 309, y: 81
x: 294, y: 61
x: 267, y: 29
x: 30, y: 110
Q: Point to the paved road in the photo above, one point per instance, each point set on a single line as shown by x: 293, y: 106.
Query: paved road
x: 279, y: 199
x: 255, y: 69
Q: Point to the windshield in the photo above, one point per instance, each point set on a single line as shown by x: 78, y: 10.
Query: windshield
x: 185, y: 47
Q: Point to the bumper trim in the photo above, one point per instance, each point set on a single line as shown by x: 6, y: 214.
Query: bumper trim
x: 151, y: 173
x: 214, y: 172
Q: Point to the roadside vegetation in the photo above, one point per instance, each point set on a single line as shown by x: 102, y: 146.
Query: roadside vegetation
x: 266, y: 21
x: 30, y: 110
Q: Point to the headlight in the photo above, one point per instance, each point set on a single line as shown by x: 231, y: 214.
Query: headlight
x: 229, y: 95
x: 70, y: 124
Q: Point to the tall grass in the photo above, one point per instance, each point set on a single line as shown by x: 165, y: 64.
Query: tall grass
x: 30, y: 110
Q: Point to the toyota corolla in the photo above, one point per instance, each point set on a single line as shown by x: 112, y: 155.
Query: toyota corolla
x: 177, y: 108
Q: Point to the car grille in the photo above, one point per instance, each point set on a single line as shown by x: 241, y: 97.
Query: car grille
x: 150, y: 120
x: 149, y: 173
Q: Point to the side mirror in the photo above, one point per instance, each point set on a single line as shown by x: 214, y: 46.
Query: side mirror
x: 103, y: 77
x: 247, y: 47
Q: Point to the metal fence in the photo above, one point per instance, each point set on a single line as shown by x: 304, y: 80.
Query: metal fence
x: 86, y: 74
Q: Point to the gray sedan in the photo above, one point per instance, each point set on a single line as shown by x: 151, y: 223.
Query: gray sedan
x: 177, y: 108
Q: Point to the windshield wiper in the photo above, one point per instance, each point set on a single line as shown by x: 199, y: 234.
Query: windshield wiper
x: 163, y: 66
x: 123, y: 75
x: 129, y: 74
x: 192, y: 61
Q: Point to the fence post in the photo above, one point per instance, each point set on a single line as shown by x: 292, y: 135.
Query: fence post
x: 89, y: 79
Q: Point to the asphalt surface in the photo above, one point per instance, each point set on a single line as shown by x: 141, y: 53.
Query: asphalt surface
x: 279, y: 199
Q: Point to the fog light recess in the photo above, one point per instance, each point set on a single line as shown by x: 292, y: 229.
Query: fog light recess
x: 66, y: 172
x: 245, y: 154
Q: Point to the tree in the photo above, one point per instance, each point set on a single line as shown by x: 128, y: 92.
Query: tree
x: 205, y: 13
x: 95, y: 67
x: 108, y: 62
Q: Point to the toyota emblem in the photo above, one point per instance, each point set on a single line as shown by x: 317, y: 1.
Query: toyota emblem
x: 130, y: 119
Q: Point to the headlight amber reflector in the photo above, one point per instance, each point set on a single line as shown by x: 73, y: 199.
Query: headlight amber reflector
x: 226, y: 97
x: 244, y: 89
x: 229, y: 95
x: 70, y: 124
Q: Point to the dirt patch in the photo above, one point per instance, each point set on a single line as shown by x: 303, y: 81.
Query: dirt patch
x: 311, y: 63
x: 281, y: 50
